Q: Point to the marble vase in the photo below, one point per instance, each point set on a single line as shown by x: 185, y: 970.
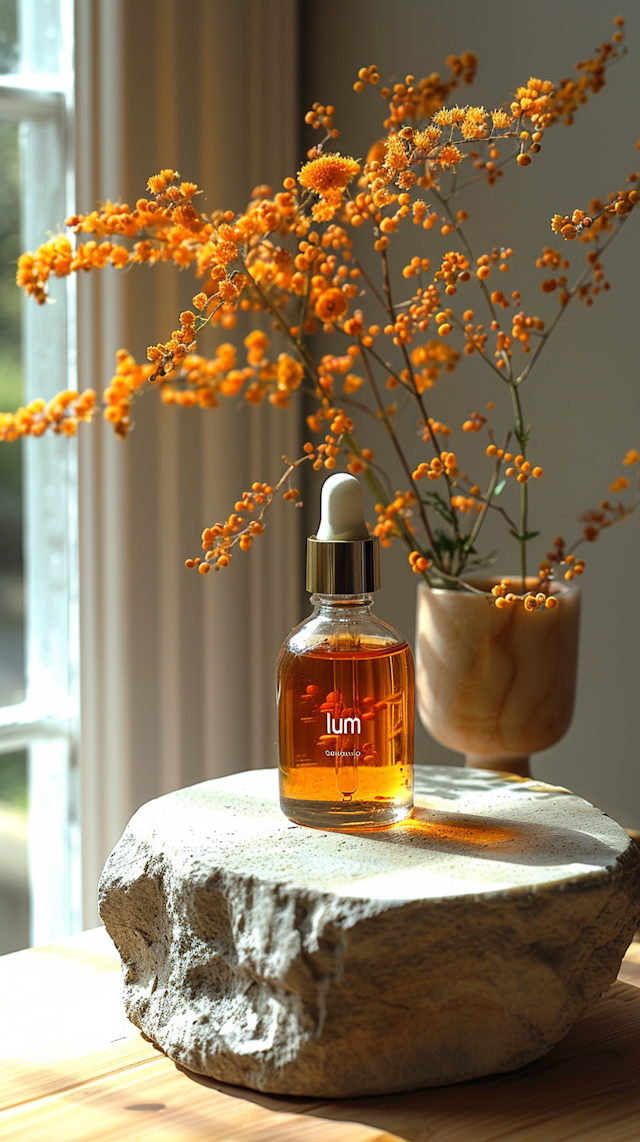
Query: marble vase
x: 496, y: 685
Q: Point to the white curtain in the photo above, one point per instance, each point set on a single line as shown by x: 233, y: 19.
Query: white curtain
x: 176, y: 669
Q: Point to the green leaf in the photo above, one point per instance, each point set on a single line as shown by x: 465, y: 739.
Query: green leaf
x: 443, y: 542
x: 499, y: 488
x: 480, y: 564
x: 437, y: 504
x: 463, y: 544
x: 526, y: 537
x: 450, y: 544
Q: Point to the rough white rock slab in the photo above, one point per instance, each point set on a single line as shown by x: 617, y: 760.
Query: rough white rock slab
x: 464, y: 942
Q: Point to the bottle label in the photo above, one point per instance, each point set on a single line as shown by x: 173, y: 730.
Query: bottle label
x: 346, y: 724
x: 342, y: 753
x: 343, y: 725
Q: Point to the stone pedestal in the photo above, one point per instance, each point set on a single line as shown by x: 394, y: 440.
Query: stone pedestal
x: 460, y: 943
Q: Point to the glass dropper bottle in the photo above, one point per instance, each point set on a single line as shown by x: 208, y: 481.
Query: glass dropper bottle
x: 344, y: 684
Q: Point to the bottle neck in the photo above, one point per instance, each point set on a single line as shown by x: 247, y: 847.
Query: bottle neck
x: 344, y: 605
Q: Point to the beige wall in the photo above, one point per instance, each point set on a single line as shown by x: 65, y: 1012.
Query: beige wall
x: 584, y: 399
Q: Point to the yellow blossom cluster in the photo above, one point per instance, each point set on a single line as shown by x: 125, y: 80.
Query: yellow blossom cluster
x: 443, y: 465
x: 394, y: 518
x: 588, y: 226
x: 430, y: 358
x: 201, y: 381
x: 58, y: 257
x: 466, y: 504
x: 360, y: 462
x: 218, y: 540
x: 474, y: 422
x: 121, y: 392
x: 321, y: 116
x: 545, y: 104
x: 521, y: 469
x: 434, y: 428
x: 505, y: 597
x: 328, y: 177
x: 419, y: 99
x: 60, y: 415
x: 418, y: 563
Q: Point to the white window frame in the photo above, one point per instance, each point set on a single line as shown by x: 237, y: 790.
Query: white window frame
x: 46, y: 722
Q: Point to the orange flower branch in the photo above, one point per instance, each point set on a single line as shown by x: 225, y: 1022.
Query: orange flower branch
x: 289, y: 257
x: 219, y: 540
x: 573, y: 292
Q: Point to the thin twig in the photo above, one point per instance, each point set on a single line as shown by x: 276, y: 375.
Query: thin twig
x: 394, y: 440
x: 304, y: 305
x: 473, y: 534
x: 371, y: 284
x: 456, y: 224
x: 570, y: 296
x: 416, y: 393
x: 383, y: 497
x: 482, y: 177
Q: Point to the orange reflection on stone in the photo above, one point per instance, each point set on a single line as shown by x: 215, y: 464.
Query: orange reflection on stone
x: 462, y: 833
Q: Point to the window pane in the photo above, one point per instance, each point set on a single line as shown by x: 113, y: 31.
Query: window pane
x: 12, y: 675
x: 42, y: 45
x: 14, y: 871
x: 9, y: 54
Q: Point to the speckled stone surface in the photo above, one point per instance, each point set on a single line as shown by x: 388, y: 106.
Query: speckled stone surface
x: 461, y: 943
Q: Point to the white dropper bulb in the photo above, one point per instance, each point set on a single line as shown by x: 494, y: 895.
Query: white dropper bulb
x: 342, y: 510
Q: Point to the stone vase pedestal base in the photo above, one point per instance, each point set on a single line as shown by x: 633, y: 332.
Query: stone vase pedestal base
x: 459, y: 943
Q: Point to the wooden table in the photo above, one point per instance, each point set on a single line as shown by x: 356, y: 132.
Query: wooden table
x: 74, y: 1069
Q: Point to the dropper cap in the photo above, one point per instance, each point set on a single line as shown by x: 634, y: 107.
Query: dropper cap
x: 342, y: 558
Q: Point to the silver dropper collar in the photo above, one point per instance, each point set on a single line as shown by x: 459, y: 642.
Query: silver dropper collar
x: 343, y: 567
x: 342, y: 559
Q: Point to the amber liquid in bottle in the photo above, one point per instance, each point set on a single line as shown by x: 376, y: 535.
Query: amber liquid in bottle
x: 345, y: 719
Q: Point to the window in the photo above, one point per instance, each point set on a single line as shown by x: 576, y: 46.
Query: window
x: 161, y: 707
x: 39, y: 868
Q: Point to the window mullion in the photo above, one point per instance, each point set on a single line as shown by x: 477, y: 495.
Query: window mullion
x: 21, y: 103
x: 23, y: 723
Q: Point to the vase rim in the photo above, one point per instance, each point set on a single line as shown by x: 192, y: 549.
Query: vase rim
x: 566, y: 587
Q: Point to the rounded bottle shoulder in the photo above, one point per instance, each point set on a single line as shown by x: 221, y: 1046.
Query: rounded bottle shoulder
x: 343, y: 631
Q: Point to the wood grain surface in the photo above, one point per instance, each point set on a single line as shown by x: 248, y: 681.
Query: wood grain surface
x: 73, y: 1069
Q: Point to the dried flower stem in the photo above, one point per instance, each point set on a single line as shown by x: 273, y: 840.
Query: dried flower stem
x: 399, y: 451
